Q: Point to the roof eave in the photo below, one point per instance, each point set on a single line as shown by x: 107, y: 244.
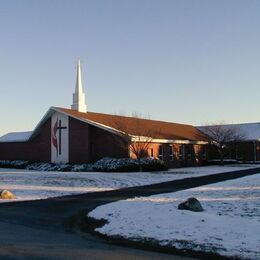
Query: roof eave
x: 52, y: 110
x: 101, y: 126
x: 44, y: 119
x: 165, y: 141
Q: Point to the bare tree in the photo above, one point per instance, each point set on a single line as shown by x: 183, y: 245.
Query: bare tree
x: 134, y: 133
x: 139, y: 145
x: 221, y: 136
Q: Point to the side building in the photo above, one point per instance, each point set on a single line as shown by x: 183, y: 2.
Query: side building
x: 245, y: 148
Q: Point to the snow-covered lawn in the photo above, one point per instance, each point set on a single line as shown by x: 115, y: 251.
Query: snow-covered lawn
x: 229, y: 226
x: 28, y: 185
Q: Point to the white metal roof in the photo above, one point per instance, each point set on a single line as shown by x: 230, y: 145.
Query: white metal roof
x: 250, y: 131
x: 16, y: 137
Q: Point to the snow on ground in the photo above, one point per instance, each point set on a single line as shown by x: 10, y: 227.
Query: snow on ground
x: 229, y: 226
x: 206, y: 170
x: 28, y: 185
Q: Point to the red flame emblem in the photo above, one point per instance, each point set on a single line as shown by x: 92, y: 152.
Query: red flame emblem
x: 54, y: 136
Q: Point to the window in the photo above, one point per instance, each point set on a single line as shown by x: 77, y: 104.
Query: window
x: 171, y: 152
x: 189, y: 150
x: 151, y: 152
x: 160, y: 154
x: 204, y: 155
x: 182, y: 152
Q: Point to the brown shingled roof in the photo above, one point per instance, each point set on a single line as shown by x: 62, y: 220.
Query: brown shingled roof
x: 140, y: 126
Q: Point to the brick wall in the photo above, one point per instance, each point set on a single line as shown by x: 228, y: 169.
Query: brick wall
x: 177, y: 155
x: 37, y: 149
x: 88, y: 143
x: 105, y: 144
x: 78, y: 141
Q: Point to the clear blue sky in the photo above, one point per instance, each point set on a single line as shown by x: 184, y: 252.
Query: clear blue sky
x: 181, y: 61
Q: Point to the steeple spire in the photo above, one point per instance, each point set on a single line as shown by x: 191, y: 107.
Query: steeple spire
x: 79, y: 102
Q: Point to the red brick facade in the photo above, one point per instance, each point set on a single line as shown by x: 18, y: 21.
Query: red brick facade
x: 178, y: 155
x: 106, y: 144
x: 89, y: 143
x: 78, y: 141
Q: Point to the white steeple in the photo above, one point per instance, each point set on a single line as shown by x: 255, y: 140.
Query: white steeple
x: 79, y: 102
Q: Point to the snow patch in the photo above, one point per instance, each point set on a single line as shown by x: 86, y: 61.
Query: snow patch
x: 31, y: 184
x: 229, y: 226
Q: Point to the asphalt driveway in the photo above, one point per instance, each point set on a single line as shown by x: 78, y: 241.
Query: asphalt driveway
x: 48, y: 229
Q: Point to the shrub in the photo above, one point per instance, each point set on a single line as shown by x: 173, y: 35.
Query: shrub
x: 128, y: 165
x: 17, y: 164
x: 103, y: 165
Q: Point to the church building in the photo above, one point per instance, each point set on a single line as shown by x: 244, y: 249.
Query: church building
x: 77, y: 135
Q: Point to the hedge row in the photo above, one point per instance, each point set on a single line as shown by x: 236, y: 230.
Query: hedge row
x: 103, y: 165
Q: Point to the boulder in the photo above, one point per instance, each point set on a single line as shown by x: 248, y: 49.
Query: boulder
x: 191, y: 204
x: 7, y: 195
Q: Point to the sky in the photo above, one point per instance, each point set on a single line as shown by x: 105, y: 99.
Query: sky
x: 182, y: 61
